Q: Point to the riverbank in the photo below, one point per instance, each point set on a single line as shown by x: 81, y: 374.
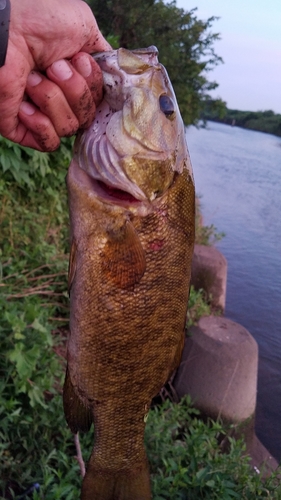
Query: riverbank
x: 261, y: 121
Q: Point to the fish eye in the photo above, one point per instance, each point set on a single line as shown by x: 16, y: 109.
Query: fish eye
x: 167, y: 106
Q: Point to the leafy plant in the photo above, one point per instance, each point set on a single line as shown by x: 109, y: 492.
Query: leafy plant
x: 34, y: 303
x: 197, y: 306
x: 187, y: 462
x: 31, y: 169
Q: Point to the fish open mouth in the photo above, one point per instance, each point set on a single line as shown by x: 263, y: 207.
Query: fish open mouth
x: 103, y: 191
x: 117, y: 194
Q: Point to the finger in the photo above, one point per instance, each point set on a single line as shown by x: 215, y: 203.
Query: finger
x: 90, y: 70
x: 81, y: 86
x: 36, y: 129
x: 50, y: 100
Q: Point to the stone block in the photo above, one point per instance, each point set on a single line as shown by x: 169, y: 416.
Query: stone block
x: 219, y: 369
x: 209, y: 272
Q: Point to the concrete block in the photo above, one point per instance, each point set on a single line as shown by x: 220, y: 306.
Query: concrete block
x: 219, y: 369
x: 209, y: 271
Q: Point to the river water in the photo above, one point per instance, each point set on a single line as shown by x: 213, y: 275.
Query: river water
x: 238, y: 176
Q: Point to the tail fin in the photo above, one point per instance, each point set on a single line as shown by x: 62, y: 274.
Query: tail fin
x: 124, y: 485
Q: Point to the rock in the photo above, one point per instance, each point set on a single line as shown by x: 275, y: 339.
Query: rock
x: 209, y: 271
x: 219, y: 369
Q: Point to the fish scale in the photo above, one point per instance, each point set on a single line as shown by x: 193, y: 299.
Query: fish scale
x: 129, y: 279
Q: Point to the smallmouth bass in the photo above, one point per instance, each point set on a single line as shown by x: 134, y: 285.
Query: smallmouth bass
x: 132, y: 206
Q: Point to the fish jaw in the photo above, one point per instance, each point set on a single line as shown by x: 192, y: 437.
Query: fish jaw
x: 135, y: 144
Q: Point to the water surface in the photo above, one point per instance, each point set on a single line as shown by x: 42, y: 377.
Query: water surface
x: 238, y: 174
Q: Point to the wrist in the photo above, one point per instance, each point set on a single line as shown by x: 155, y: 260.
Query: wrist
x: 5, y: 11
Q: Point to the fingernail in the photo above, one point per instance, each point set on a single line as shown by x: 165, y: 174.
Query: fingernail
x: 62, y: 70
x: 83, y: 66
x: 33, y: 79
x: 27, y: 108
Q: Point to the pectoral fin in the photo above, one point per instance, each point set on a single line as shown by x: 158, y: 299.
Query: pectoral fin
x: 123, y: 258
x: 78, y: 416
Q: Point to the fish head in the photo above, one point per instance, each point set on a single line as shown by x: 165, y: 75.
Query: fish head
x: 136, y: 143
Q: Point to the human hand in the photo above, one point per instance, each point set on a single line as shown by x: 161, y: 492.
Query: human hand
x: 63, y: 93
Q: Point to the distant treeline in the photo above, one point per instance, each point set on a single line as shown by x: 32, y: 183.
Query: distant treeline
x: 264, y: 121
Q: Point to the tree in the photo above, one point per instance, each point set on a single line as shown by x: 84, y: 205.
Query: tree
x: 185, y: 44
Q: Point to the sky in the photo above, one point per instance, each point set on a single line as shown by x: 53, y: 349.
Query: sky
x: 250, y: 45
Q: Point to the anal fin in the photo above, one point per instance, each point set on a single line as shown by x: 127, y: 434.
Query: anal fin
x: 78, y: 416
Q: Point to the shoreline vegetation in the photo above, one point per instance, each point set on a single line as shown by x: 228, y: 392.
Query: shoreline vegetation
x: 261, y: 121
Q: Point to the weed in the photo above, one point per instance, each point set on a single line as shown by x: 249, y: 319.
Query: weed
x: 197, y: 306
x: 187, y: 462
